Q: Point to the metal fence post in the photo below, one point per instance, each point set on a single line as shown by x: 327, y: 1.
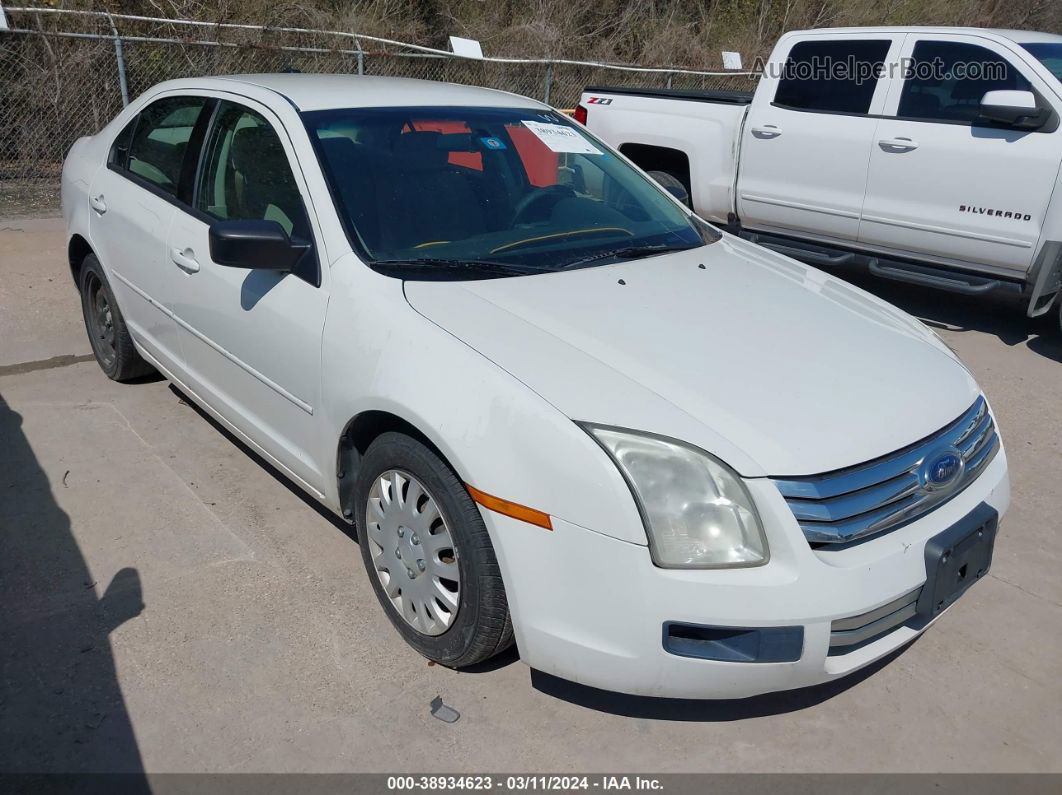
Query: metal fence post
x: 549, y: 82
x: 361, y: 57
x: 119, y: 55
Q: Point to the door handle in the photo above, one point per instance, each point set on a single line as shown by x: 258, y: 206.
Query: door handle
x: 900, y: 144
x: 98, y: 204
x: 184, y: 259
x: 767, y: 131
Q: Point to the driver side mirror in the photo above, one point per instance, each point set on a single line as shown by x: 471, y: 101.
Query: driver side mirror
x: 1018, y: 110
x: 261, y: 245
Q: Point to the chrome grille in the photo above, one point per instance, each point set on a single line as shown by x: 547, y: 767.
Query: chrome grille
x: 848, y: 634
x: 879, y: 496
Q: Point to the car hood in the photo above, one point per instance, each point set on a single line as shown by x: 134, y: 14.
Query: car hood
x: 773, y: 366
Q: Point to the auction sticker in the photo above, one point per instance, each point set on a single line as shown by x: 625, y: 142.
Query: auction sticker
x: 560, y: 138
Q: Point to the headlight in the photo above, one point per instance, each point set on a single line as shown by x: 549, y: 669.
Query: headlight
x: 696, y: 510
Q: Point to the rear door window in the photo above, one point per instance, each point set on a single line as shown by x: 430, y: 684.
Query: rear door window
x: 160, y: 141
x: 835, y: 76
x: 119, y: 154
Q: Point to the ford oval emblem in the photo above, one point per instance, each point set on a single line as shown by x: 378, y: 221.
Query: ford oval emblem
x: 942, y: 468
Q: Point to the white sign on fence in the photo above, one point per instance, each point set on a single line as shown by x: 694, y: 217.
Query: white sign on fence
x: 3, y: 19
x: 466, y: 48
x: 732, y: 60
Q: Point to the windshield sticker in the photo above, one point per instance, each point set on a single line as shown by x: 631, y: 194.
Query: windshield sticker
x: 492, y: 143
x: 560, y: 138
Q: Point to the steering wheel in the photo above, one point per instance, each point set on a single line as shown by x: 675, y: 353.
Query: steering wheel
x: 537, y: 200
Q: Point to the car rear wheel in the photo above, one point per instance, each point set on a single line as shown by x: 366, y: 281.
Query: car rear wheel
x: 428, y: 554
x: 108, y: 335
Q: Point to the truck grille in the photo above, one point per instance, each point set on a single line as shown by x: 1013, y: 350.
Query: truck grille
x: 879, y: 496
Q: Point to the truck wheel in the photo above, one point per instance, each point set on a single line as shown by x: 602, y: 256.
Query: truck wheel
x: 672, y: 185
x: 428, y: 554
x: 111, y: 344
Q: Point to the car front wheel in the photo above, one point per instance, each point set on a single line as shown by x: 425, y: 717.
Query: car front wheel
x: 428, y: 554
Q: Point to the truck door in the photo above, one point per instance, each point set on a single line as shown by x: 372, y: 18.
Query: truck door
x: 944, y: 184
x: 806, y: 143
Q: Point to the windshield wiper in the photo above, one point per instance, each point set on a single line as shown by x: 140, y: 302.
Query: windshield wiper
x: 442, y: 263
x: 627, y: 252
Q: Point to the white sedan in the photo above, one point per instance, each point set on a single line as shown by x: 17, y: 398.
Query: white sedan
x: 559, y: 408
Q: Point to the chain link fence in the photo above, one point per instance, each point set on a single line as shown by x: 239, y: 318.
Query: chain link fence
x: 64, y: 74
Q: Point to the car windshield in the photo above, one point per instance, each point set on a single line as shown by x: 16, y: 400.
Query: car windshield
x: 1049, y: 54
x: 483, y: 192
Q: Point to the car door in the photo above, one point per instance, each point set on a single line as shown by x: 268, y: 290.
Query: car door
x: 131, y: 207
x: 251, y: 339
x: 942, y: 183
x: 807, y: 137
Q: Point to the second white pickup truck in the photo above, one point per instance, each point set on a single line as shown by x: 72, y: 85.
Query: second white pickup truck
x: 925, y: 155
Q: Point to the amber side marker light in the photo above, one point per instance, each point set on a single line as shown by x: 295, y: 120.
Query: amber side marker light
x: 513, y: 509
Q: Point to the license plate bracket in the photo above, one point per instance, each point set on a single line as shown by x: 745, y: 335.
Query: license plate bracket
x: 956, y: 559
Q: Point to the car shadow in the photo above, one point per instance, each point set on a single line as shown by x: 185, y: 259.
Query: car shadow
x: 61, y: 705
x: 699, y: 710
x: 1001, y: 316
x: 501, y: 660
x: 255, y: 286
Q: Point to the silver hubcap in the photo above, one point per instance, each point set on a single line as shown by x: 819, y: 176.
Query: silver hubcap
x: 413, y: 552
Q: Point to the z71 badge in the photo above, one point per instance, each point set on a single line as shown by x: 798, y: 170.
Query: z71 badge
x: 599, y: 101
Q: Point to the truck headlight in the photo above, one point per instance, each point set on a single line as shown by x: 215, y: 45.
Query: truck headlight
x: 697, y: 512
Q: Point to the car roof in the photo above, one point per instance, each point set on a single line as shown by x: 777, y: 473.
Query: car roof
x: 1019, y: 36
x: 329, y: 91
x: 1028, y: 36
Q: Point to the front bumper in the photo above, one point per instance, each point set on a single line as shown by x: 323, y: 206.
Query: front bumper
x: 590, y: 608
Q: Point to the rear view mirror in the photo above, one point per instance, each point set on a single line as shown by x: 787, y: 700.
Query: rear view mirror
x: 261, y: 245
x: 573, y: 177
x: 672, y: 185
x: 1016, y: 109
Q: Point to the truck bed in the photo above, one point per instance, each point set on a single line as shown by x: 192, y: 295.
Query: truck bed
x: 693, y: 94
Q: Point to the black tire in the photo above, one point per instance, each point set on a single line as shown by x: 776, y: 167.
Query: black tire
x: 107, y: 332
x: 672, y: 184
x: 482, y: 626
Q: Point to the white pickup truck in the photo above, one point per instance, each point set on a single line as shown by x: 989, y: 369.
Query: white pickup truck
x: 925, y: 155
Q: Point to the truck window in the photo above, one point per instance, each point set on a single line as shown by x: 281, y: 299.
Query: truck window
x: 835, y: 76
x: 946, y: 80
x: 1049, y: 54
